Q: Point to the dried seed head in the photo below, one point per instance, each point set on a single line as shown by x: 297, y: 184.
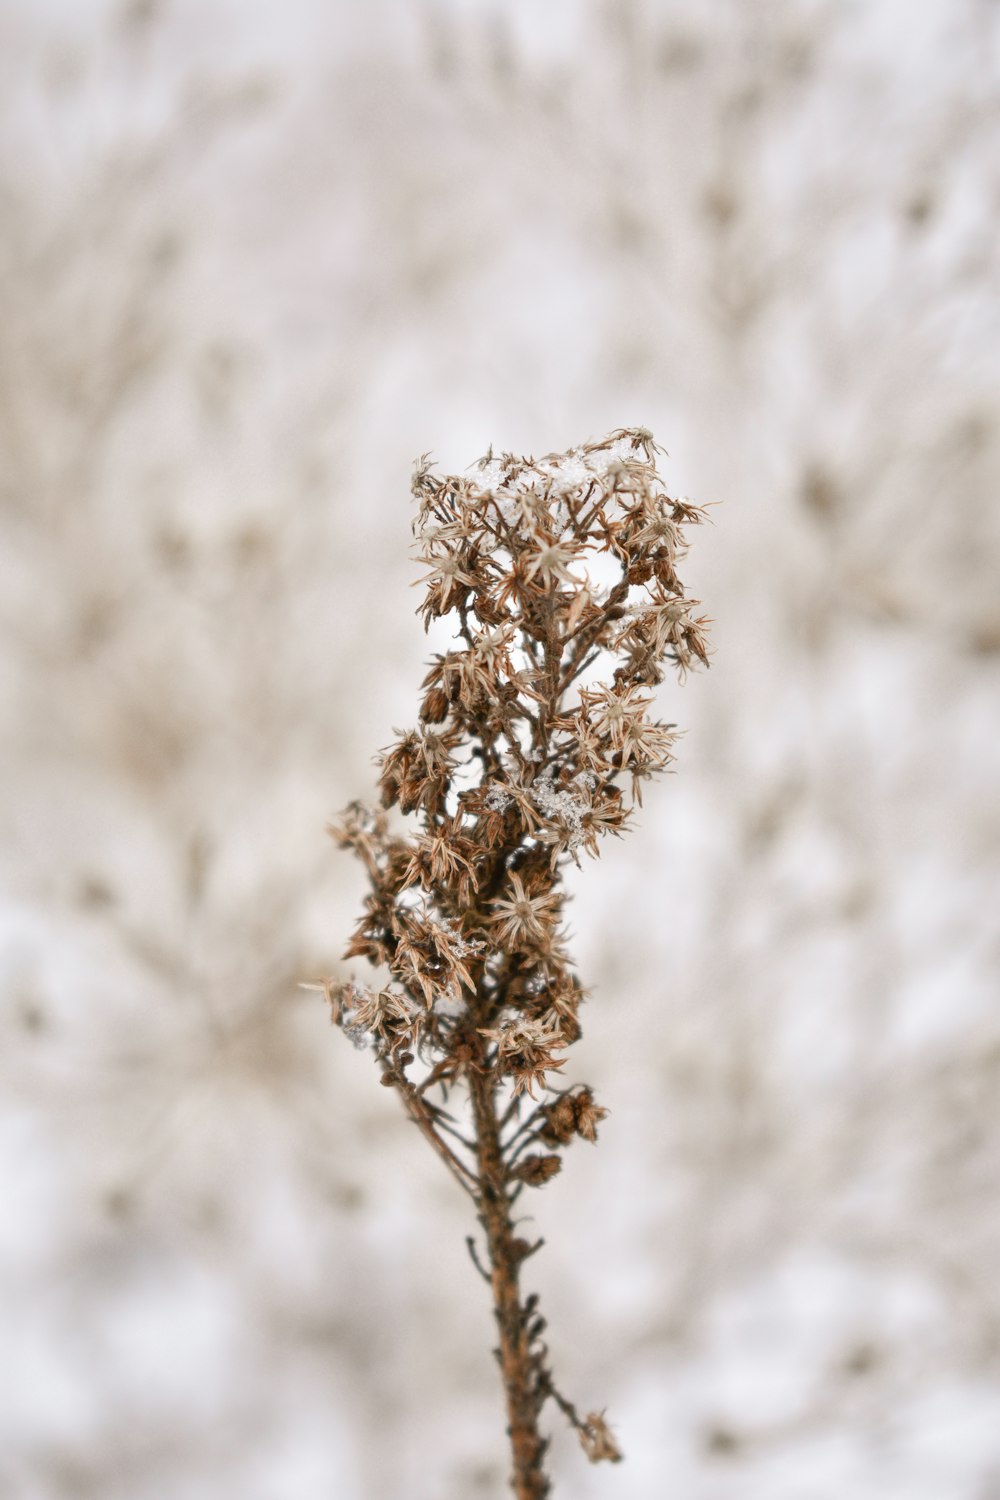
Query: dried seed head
x: 570, y: 1114
x: 435, y: 706
x: 537, y: 1170
x: 597, y: 1441
x: 588, y: 1114
x: 524, y: 1051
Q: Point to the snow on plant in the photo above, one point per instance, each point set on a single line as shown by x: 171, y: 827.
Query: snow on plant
x: 535, y: 737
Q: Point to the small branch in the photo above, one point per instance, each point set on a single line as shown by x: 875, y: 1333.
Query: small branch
x: 566, y: 1407
x: 572, y: 674
x: 585, y: 633
x: 474, y: 1255
x: 526, y: 1124
x: 456, y: 1135
x: 420, y: 1115
x: 531, y: 1249
x: 595, y: 1436
x: 510, y: 1111
x: 441, y: 1070
x: 511, y: 1156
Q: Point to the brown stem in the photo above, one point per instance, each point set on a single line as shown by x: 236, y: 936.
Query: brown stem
x: 522, y: 1376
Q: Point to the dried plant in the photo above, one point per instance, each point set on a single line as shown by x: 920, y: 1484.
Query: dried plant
x: 535, y: 737
x: 728, y: 238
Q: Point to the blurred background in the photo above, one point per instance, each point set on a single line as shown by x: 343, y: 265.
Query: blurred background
x: 253, y: 260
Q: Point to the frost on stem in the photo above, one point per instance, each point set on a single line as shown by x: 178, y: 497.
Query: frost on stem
x: 535, y: 736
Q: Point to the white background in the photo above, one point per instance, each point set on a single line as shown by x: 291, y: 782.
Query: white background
x: 254, y: 259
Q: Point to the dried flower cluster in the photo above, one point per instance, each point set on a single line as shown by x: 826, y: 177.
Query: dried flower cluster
x: 535, y: 737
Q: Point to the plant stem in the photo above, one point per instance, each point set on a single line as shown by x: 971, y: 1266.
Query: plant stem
x: 525, y: 1390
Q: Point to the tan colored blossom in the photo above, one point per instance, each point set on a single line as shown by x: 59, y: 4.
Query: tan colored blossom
x: 597, y: 1441
x: 550, y: 564
x: 525, y: 1051
x: 522, y: 917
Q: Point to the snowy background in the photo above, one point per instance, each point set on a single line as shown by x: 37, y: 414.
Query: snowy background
x: 253, y: 260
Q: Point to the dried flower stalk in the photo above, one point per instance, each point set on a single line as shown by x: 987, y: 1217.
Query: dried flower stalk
x: 534, y: 740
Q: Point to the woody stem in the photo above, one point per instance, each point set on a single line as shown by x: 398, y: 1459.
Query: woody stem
x: 523, y: 1381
